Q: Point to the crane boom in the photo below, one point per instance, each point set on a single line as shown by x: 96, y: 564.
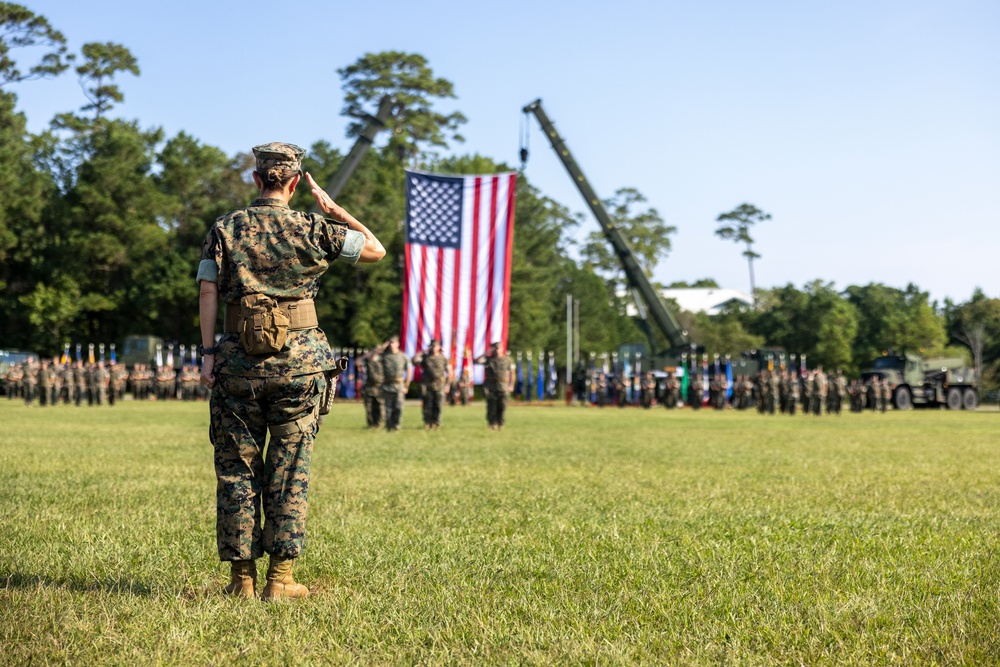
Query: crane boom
x: 664, y: 319
x: 361, y: 146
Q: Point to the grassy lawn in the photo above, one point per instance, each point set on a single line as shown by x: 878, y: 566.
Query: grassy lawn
x: 574, y: 536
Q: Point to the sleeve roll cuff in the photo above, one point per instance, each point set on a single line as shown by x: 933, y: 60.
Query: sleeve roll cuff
x: 207, y: 270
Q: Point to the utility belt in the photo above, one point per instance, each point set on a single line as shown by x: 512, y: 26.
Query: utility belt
x: 263, y: 322
x: 301, y: 315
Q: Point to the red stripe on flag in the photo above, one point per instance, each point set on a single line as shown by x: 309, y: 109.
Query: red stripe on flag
x: 439, y: 296
x: 511, y: 187
x: 422, y: 296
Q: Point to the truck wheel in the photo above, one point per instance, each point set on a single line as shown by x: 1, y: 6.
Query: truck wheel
x: 903, y: 400
x: 954, y: 398
x: 969, y: 399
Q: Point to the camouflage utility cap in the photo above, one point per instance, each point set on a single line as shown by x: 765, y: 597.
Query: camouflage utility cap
x: 278, y: 154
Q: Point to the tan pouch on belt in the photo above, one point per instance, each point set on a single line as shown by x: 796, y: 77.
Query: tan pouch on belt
x: 263, y: 325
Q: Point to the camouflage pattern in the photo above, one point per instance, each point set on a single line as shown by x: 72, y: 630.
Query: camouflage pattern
x: 647, y: 388
x: 395, y: 371
x: 497, y: 387
x: 268, y: 248
x: 278, y: 154
x: 262, y: 498
x: 372, y: 390
x: 119, y: 375
x: 434, y: 377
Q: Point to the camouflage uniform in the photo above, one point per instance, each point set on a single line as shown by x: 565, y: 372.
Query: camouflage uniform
x: 434, y: 378
x: 267, y: 248
x: 79, y: 383
x: 464, y: 387
x: 646, y: 390
x: 395, y: 378
x: 498, y: 373
x: 372, y: 390
x: 819, y: 391
x: 119, y: 376
x: 29, y: 383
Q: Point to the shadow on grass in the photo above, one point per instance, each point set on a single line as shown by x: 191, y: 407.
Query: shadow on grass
x: 78, y: 584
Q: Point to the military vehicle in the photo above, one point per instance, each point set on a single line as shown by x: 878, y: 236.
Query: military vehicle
x: 936, y: 382
x: 10, y: 357
x: 138, y: 350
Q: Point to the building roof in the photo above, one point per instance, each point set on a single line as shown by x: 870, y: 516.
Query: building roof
x: 711, y: 300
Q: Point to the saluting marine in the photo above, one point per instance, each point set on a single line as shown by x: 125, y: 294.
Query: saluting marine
x: 396, y: 376
x: 434, y: 377
x: 273, y: 366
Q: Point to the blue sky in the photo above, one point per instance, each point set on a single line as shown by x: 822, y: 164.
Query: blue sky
x: 869, y: 130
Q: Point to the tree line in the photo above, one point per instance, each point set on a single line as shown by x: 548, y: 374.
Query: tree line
x: 103, y: 220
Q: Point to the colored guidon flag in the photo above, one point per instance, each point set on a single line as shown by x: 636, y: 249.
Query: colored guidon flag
x: 456, y: 288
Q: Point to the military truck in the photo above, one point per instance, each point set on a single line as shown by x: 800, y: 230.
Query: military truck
x: 10, y: 357
x: 139, y: 350
x: 936, y: 382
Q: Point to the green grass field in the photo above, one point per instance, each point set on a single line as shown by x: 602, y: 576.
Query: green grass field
x: 574, y: 536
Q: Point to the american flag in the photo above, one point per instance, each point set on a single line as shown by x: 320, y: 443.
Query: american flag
x: 459, y: 237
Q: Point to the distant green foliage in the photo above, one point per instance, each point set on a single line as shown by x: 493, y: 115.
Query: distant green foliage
x: 22, y: 28
x: 103, y: 219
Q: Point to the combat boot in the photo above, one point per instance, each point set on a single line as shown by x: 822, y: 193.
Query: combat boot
x: 280, y: 585
x: 244, y: 579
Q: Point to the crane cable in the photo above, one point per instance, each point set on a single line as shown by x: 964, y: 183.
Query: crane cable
x: 525, y: 138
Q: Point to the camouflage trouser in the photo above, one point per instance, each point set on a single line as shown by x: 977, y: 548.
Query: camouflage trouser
x: 496, y: 406
x: 393, y: 400
x: 373, y: 409
x: 433, y: 399
x: 242, y: 410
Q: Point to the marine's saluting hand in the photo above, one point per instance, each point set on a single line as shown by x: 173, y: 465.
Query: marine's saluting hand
x: 325, y: 201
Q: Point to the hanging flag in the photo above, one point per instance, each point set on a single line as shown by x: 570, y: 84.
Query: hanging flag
x: 349, y: 373
x: 540, y: 376
x: 527, y: 378
x: 90, y: 353
x: 627, y: 369
x: 65, y: 355
x: 78, y: 347
x: 553, y: 375
x: 457, y: 257
x: 114, y: 357
x: 519, y: 385
x: 685, y: 382
x: 704, y: 379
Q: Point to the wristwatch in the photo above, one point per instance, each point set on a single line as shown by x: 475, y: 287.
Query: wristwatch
x: 202, y: 351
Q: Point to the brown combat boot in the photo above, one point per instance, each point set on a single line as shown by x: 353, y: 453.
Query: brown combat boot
x: 280, y: 585
x: 244, y: 579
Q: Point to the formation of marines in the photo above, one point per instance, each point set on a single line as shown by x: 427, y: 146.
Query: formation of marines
x: 50, y: 382
x: 785, y: 391
x: 386, y: 375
